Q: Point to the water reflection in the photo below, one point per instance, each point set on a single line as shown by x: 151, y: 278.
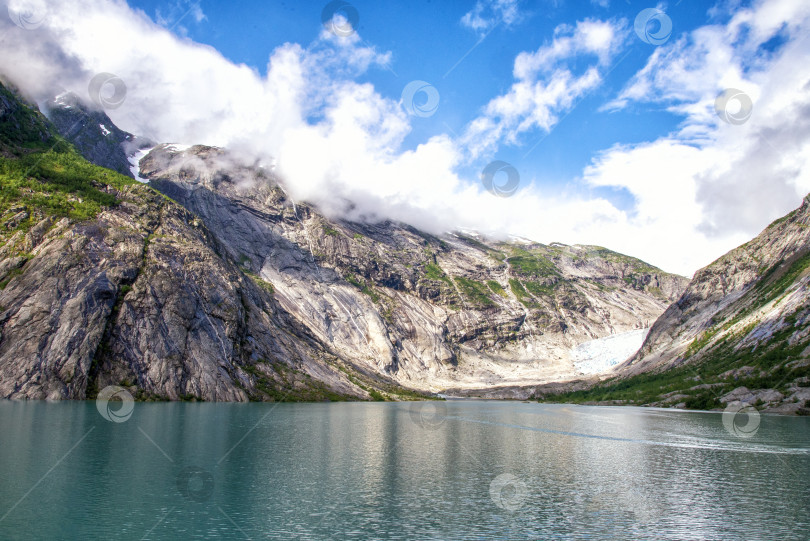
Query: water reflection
x: 461, y: 470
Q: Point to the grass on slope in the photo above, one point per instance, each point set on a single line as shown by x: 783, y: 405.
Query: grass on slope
x: 773, y: 369
x: 57, y: 182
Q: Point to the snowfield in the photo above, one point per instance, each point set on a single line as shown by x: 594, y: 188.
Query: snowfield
x: 134, y: 164
x: 597, y: 356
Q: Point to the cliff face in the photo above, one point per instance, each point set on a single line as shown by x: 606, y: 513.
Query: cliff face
x: 743, y: 301
x: 740, y: 333
x: 92, y: 133
x: 456, y: 311
x: 223, y: 288
x: 104, y: 281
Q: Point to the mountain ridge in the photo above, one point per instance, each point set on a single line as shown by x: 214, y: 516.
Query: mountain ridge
x: 295, y: 302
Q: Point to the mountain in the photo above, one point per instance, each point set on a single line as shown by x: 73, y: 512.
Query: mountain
x: 92, y: 133
x: 433, y: 312
x: 739, y: 333
x: 212, y: 283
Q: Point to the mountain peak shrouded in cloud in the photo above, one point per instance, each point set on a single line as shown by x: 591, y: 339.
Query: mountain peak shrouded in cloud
x: 326, y: 111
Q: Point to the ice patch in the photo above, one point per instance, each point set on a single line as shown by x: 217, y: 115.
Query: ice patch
x: 135, y: 164
x: 177, y: 148
x: 597, y: 356
x: 104, y: 130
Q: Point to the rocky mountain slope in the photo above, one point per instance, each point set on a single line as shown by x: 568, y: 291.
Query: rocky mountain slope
x: 92, y: 133
x: 740, y: 332
x: 105, y: 281
x: 456, y: 311
x: 227, y: 289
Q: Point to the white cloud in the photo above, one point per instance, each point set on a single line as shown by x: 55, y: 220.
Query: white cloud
x: 733, y: 179
x: 544, y: 85
x: 699, y: 191
x: 489, y: 13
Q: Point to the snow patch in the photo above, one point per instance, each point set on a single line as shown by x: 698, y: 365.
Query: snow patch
x: 62, y: 99
x: 135, y: 164
x: 177, y: 148
x: 597, y: 356
x: 520, y: 240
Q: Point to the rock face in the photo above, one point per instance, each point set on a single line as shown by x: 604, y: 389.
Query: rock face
x: 743, y: 322
x: 92, y: 133
x: 137, y: 295
x: 218, y: 286
x: 432, y: 313
x: 742, y: 301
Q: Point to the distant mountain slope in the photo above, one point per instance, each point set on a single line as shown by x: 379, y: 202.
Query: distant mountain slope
x: 741, y: 331
x: 104, y: 281
x: 223, y: 288
x: 431, y: 312
x: 92, y: 133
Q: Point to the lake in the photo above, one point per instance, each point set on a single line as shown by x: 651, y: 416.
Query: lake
x: 424, y: 470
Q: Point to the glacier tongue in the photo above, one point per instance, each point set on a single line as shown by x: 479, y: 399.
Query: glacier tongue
x: 597, y: 356
x: 134, y: 163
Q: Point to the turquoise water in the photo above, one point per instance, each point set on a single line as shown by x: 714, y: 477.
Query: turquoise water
x: 445, y: 470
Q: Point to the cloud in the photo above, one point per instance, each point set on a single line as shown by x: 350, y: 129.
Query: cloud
x: 487, y: 14
x: 738, y: 177
x: 339, y: 143
x: 544, y: 85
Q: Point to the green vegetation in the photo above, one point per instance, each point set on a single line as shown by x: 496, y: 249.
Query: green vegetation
x: 773, y: 369
x: 286, y: 384
x: 330, y: 231
x: 11, y: 274
x: 22, y: 129
x: 539, y: 290
x: 496, y: 288
x: 58, y: 183
x: 267, y: 286
x: 637, y: 265
x: 386, y: 392
x: 522, y: 296
x: 358, y: 236
x: 364, y: 287
x: 434, y: 272
x: 772, y: 285
x: 531, y: 265
x: 475, y: 292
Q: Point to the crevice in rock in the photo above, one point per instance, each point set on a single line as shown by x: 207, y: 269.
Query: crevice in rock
x: 101, y: 355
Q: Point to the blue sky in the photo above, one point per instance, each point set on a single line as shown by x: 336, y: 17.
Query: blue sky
x: 671, y: 146
x: 429, y: 42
